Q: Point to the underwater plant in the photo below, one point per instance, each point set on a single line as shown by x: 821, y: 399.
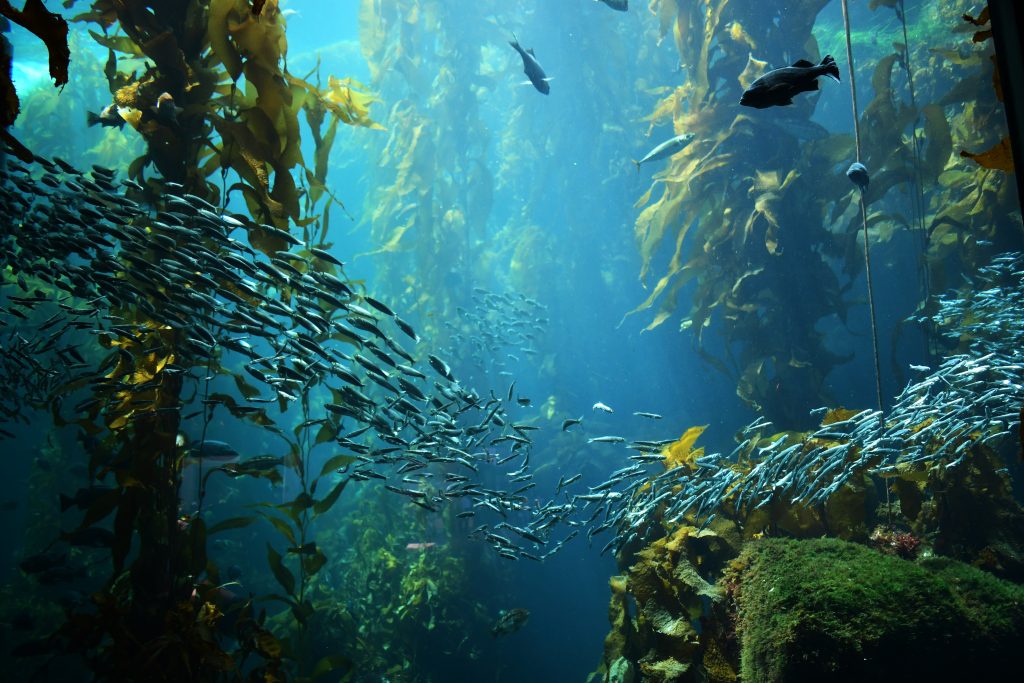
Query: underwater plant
x: 49, y: 27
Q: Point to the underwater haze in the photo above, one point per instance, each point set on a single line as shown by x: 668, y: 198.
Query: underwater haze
x: 493, y: 340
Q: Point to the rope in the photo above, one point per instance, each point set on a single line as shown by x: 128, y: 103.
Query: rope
x: 919, y: 206
x: 863, y: 211
x: 867, y: 249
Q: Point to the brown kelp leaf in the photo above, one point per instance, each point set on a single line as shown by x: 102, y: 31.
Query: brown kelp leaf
x: 982, y: 19
x: 322, y: 506
x: 682, y: 452
x: 755, y: 69
x: 336, y: 462
x: 313, y: 562
x: 48, y: 27
x: 939, y: 141
x: 268, y: 646
x: 217, y: 33
x: 230, y: 523
x: 999, y: 157
x: 122, y: 44
x: 281, y: 573
x: 336, y: 664
x: 282, y: 527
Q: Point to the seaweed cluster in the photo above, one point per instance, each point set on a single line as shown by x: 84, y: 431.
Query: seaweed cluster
x: 143, y: 314
x: 968, y: 404
x: 744, y: 230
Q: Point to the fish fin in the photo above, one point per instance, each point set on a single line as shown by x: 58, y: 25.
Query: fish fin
x: 803, y: 63
x: 515, y: 41
x: 637, y: 163
x: 831, y: 69
x: 91, y: 119
x: 529, y: 51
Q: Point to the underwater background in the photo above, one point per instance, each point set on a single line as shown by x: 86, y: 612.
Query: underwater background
x: 335, y: 349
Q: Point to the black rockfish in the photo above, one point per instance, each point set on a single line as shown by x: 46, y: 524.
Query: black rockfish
x: 777, y: 88
x: 531, y: 67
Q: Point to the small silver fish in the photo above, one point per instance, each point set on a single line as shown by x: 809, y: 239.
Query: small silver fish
x: 666, y: 149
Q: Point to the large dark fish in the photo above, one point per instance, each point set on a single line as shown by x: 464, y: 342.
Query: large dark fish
x: 509, y: 621
x: 777, y: 88
x: 620, y: 5
x: 531, y: 67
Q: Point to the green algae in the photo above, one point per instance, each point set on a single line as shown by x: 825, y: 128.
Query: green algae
x: 826, y: 609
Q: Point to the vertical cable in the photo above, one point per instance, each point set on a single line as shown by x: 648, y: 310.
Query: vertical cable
x: 919, y: 204
x: 867, y: 249
x: 863, y: 211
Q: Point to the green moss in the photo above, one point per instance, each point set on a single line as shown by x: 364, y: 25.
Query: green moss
x: 830, y: 610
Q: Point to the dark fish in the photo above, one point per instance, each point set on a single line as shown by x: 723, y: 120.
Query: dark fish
x: 83, y: 498
x: 379, y: 306
x: 108, y: 117
x: 570, y: 422
x: 92, y: 537
x: 40, y: 562
x: 778, y: 87
x: 531, y: 67
x: 618, y: 5
x: 440, y: 366
x: 858, y: 175
x: 165, y: 111
x: 509, y: 621
x: 214, y: 450
x: 407, y: 329
x: 325, y: 256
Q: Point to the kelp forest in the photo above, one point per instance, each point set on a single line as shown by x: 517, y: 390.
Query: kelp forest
x: 361, y: 341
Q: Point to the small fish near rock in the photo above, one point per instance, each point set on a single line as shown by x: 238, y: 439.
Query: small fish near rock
x: 778, y: 87
x: 510, y: 621
x: 858, y: 175
x: 531, y: 67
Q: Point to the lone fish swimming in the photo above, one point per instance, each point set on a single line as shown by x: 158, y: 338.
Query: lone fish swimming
x: 777, y: 87
x: 531, y: 67
x: 666, y: 149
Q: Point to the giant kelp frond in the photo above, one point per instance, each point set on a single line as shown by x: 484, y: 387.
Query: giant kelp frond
x: 49, y: 27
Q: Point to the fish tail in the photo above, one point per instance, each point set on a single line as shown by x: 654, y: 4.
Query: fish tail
x: 637, y: 163
x: 92, y: 119
x: 830, y: 67
x: 515, y: 41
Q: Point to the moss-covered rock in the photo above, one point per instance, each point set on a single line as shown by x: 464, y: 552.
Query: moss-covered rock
x: 826, y: 609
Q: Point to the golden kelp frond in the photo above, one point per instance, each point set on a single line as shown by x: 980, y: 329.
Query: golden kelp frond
x: 755, y: 69
x: 999, y: 157
x: 345, y: 98
x: 682, y: 452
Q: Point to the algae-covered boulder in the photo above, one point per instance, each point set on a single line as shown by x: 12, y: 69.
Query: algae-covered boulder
x: 825, y: 609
